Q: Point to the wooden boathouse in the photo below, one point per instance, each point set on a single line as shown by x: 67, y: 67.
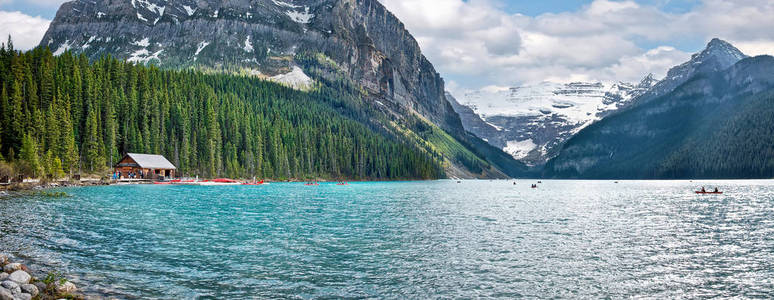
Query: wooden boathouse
x: 145, y: 166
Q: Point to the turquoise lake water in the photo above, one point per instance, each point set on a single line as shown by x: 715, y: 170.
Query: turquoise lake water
x: 419, y: 240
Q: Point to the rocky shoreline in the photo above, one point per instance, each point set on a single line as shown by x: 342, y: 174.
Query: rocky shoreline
x: 13, y: 189
x: 16, y: 283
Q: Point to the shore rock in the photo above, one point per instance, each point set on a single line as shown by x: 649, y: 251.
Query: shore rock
x: 30, y: 289
x: 3, y: 257
x: 66, y: 288
x: 5, y: 294
x: 20, y: 277
x: 12, y: 267
x: 23, y: 296
x: 13, y: 287
x: 41, y: 286
x: 3, y: 276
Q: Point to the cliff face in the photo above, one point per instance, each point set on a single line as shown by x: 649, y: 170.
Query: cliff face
x: 360, y: 39
x: 355, y: 46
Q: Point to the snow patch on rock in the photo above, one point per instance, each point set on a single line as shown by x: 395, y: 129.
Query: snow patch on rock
x: 86, y: 45
x: 200, y: 47
x: 62, y: 48
x: 285, y: 4
x: 520, y: 149
x: 248, y: 45
x: 142, y: 43
x: 296, y: 79
x: 300, y: 17
x: 143, y: 56
x: 189, y: 10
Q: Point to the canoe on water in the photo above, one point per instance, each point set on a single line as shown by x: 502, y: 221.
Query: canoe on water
x: 253, y: 183
x: 224, y: 180
x: 709, y: 193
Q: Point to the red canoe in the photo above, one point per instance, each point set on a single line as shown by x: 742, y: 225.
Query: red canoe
x: 225, y: 180
x: 253, y: 183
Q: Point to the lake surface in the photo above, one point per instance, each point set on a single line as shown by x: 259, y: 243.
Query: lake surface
x: 439, y: 239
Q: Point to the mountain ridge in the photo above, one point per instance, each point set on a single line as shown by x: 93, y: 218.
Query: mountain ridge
x: 354, y: 44
x: 718, y: 55
x: 530, y: 122
x: 712, y: 125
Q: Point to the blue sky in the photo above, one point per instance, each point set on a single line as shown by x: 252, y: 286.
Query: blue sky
x: 495, y: 43
x: 44, y: 9
x: 535, y: 8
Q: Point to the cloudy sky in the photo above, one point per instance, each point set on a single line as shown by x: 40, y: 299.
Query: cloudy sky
x: 490, y: 43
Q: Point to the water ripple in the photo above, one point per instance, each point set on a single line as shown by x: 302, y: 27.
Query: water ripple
x: 477, y: 239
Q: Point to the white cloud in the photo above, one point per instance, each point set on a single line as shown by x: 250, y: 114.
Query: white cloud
x: 476, y: 43
x: 656, y: 61
x: 26, y: 31
x: 754, y: 48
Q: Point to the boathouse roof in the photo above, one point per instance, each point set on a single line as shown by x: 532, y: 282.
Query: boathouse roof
x: 151, y: 161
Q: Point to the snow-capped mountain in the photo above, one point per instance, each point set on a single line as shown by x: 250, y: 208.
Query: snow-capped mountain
x: 710, y: 118
x: 355, y: 46
x: 719, y: 55
x: 531, y: 122
x: 296, y: 42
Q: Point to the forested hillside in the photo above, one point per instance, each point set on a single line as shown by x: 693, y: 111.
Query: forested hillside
x: 66, y: 114
x: 718, y: 124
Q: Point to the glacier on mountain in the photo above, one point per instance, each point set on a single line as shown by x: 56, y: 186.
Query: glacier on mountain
x: 530, y: 122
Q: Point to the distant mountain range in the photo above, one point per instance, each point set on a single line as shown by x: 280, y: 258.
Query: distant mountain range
x: 655, y: 129
x: 532, y: 122
x: 712, y: 117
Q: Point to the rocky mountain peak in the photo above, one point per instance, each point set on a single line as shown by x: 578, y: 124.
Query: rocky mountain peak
x: 719, y: 55
x: 284, y: 40
x: 720, y: 50
x: 531, y: 122
x: 648, y: 82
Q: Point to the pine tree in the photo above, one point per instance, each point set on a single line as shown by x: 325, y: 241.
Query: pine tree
x: 75, y: 111
x: 56, y: 171
x: 92, y: 150
x: 67, y: 147
x: 29, y: 157
x: 16, y: 117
